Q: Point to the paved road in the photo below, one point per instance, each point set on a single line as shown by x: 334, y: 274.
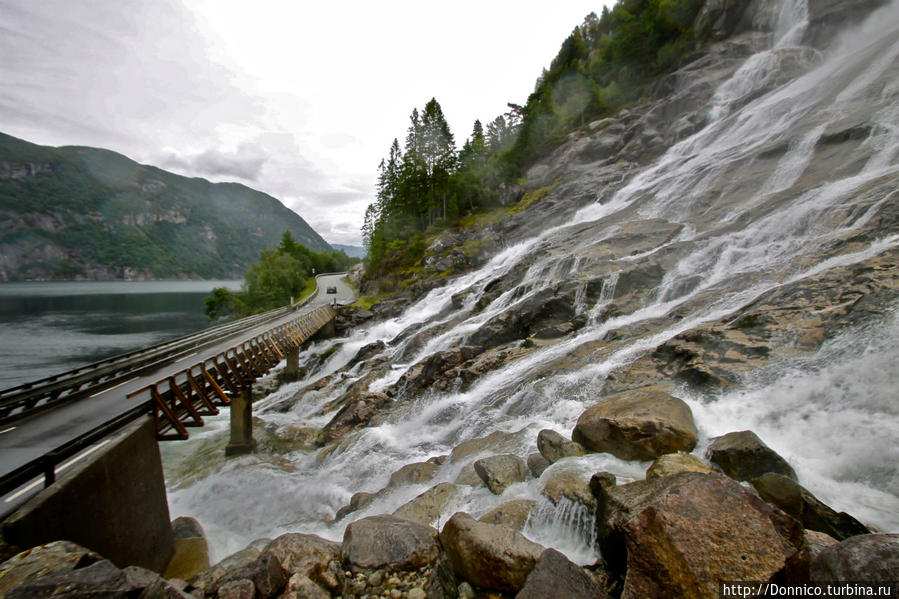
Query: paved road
x: 30, y: 438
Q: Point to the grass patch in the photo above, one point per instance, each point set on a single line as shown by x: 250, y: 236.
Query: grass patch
x: 532, y: 197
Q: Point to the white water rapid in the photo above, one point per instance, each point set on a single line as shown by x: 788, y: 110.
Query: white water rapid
x: 749, y: 220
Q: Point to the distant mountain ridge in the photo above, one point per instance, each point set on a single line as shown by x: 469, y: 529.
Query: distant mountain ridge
x: 353, y: 251
x: 88, y: 213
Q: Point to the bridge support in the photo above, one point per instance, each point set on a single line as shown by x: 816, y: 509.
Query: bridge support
x: 292, y: 369
x: 242, y: 441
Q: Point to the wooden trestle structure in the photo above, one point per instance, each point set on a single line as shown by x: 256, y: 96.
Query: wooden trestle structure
x: 182, y: 400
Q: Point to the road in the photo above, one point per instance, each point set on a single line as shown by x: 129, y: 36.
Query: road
x: 32, y: 437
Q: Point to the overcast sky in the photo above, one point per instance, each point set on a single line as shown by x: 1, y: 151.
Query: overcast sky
x: 297, y: 99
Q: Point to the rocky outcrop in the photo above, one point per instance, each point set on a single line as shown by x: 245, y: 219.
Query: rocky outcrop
x: 488, y: 556
x: 100, y: 579
x: 637, y: 425
x: 500, y: 471
x: 743, y: 456
x: 310, y: 557
x: 266, y: 574
x: 570, y: 486
x: 412, y: 474
x: 191, y: 549
x: 53, y: 558
x: 353, y: 416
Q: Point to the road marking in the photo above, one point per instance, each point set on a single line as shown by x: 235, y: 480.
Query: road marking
x: 12, y: 428
x: 116, y: 387
x: 59, y: 469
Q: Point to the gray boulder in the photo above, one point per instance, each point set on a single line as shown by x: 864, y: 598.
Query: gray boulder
x: 556, y: 576
x: 512, y: 514
x: 500, y: 471
x: 743, y: 456
x: 388, y: 541
x: 868, y: 558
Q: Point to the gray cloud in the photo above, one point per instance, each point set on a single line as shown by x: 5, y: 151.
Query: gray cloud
x: 244, y: 163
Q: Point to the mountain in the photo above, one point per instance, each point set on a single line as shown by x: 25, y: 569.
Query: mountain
x: 88, y: 213
x: 353, y: 251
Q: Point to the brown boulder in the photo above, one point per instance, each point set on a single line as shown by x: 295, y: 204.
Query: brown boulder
x: 798, y: 567
x: 512, y: 514
x: 101, y: 579
x: 265, y: 572
x: 555, y: 576
x: 743, y: 456
x: 388, y: 541
x: 641, y: 424
x: 674, y: 463
x: 412, y: 474
x: 305, y: 554
x: 867, y: 558
x: 488, y: 556
x: 302, y: 587
x: 495, y: 442
x: 698, y: 529
x: 357, y: 502
x: 537, y: 464
x: 500, y: 471
x: 554, y: 446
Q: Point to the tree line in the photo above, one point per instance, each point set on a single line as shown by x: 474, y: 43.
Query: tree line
x: 605, y: 64
x: 281, y: 274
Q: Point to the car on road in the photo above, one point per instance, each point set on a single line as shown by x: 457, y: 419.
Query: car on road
x: 331, y: 290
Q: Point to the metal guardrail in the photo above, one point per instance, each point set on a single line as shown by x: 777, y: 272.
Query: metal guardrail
x: 29, y: 398
x: 181, y: 399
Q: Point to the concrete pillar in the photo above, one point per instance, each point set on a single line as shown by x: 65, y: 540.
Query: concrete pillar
x: 242, y: 441
x: 292, y: 370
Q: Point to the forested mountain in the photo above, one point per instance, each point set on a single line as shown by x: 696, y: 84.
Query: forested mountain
x: 88, y: 213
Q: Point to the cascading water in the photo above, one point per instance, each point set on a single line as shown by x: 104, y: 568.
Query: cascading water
x: 750, y: 209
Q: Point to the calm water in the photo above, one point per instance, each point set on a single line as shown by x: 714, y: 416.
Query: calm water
x: 51, y: 327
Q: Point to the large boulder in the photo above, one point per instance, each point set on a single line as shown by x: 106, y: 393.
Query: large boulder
x: 512, y: 514
x: 554, y: 446
x: 101, y: 579
x: 43, y: 560
x: 743, y: 456
x: 683, y: 534
x: 500, y: 471
x: 640, y: 424
x: 191, y: 549
x: 488, y: 556
x: 388, y: 541
x: 537, y: 464
x: 428, y: 506
x: 797, y: 570
x: 556, y: 576
x: 868, y: 558
x: 495, y: 442
x: 800, y: 503
x: 307, y: 555
x: 674, y: 463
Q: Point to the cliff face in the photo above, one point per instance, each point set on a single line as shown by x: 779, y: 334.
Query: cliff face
x: 88, y: 213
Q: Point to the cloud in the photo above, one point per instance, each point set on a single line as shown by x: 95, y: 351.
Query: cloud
x: 246, y: 162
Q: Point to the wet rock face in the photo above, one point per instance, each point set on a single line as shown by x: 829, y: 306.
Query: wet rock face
x: 44, y: 560
x: 570, y: 486
x: 388, y: 542
x: 637, y: 425
x: 674, y: 463
x: 354, y: 415
x: 488, y: 556
x: 743, y: 456
x: 512, y: 514
x: 428, y: 506
x: 101, y: 579
x: 306, y: 555
x: 554, y: 446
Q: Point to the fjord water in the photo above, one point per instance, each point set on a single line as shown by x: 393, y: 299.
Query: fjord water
x: 51, y: 327
x: 747, y: 228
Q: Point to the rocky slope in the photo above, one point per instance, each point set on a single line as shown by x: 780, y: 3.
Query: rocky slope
x: 87, y: 213
x: 678, y: 368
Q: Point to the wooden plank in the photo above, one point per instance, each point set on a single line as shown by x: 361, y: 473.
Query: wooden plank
x: 162, y: 406
x: 179, y: 395
x: 215, y: 386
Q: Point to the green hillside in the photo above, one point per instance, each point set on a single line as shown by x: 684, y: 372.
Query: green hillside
x: 88, y: 213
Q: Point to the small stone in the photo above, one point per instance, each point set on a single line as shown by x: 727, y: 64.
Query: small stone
x: 417, y: 593
x: 465, y: 591
x: 376, y: 579
x: 393, y: 581
x: 501, y: 471
x: 396, y: 594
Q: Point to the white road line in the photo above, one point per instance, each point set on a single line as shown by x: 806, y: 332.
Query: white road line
x: 12, y: 428
x: 59, y: 469
x: 116, y: 387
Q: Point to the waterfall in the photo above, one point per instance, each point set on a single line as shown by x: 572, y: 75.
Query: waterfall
x: 758, y: 205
